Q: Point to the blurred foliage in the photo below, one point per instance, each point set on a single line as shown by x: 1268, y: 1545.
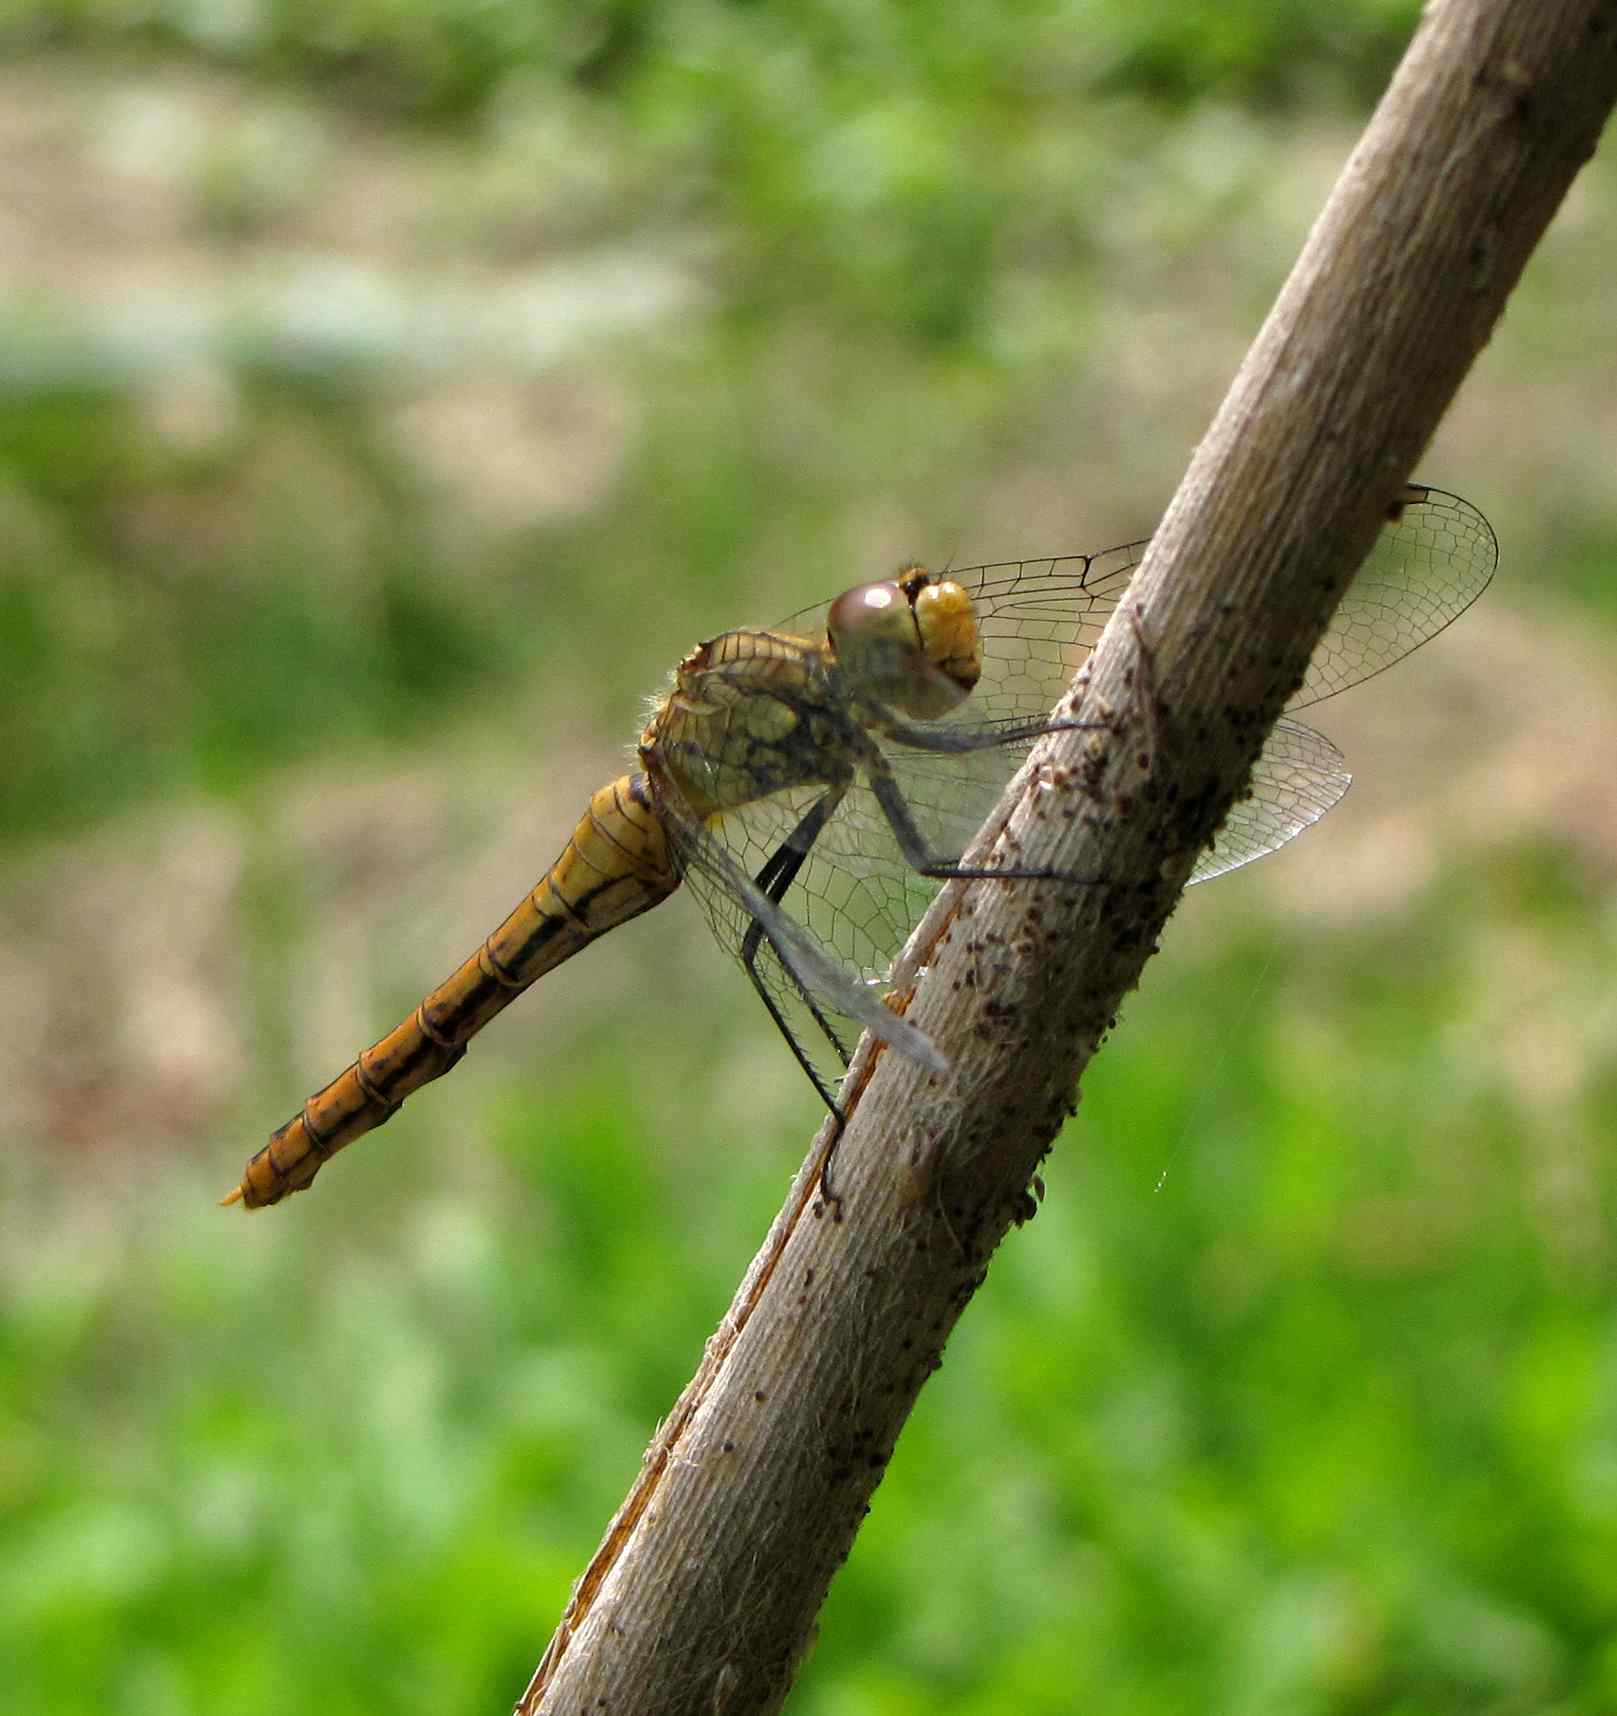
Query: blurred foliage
x: 232, y: 648
x: 1300, y: 1393
x: 880, y: 155
x: 446, y: 59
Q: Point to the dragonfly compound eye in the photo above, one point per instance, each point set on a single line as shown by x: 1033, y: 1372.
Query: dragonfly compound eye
x: 908, y: 644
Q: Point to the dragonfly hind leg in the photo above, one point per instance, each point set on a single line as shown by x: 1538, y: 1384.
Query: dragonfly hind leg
x: 775, y: 878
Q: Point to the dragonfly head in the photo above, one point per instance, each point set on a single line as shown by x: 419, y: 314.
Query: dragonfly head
x: 910, y: 642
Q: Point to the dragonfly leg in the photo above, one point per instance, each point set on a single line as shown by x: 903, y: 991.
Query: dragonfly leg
x: 920, y: 858
x: 951, y: 741
x: 833, y: 1198
x: 775, y: 878
x: 749, y: 954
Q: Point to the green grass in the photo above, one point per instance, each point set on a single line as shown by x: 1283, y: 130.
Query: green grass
x: 1288, y: 1399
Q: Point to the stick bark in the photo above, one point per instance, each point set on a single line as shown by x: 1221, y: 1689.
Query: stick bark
x: 703, y: 1595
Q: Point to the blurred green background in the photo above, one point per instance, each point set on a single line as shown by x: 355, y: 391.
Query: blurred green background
x: 389, y: 394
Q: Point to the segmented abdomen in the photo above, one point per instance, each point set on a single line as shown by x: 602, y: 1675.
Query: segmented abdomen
x: 615, y: 866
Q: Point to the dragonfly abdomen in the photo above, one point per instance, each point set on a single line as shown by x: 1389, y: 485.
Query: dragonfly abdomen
x: 615, y: 866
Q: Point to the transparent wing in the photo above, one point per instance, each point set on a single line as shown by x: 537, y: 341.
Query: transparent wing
x: 1427, y: 567
x: 821, y: 965
x: 1039, y: 619
x: 1297, y: 778
x: 856, y: 898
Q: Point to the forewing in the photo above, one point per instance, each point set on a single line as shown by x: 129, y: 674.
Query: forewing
x: 1038, y: 621
x: 1040, y: 618
x: 1427, y: 567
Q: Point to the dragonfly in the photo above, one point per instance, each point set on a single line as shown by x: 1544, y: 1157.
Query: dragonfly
x: 814, y: 783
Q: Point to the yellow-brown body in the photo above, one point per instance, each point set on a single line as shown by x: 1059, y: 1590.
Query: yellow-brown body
x: 615, y: 866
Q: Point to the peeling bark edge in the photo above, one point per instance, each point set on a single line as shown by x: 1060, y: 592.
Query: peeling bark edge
x: 703, y: 1595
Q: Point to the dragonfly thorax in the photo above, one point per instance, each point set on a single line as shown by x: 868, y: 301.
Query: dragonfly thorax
x: 908, y: 644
